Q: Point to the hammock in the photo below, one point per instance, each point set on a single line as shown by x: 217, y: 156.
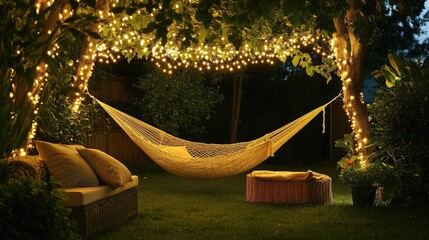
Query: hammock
x: 203, y: 160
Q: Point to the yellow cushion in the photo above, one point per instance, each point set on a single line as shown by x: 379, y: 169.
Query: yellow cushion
x: 109, y: 170
x: 180, y: 151
x: 286, y: 175
x: 80, y: 196
x: 65, y: 163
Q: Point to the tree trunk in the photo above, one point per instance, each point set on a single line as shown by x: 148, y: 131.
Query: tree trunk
x: 351, y: 68
x: 236, y: 103
x: 87, y: 56
x: 42, y: 70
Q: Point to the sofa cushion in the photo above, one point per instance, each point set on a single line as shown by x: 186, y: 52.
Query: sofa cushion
x: 66, y: 164
x: 109, y: 170
x: 80, y: 196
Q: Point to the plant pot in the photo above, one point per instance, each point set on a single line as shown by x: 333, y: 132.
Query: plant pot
x: 363, y: 196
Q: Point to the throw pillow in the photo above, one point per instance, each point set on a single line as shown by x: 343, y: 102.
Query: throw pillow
x: 109, y: 170
x: 180, y: 151
x: 65, y: 163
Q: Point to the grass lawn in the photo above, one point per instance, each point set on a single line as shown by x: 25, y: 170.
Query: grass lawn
x: 171, y: 207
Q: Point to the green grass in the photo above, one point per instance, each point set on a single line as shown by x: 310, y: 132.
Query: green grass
x: 171, y: 207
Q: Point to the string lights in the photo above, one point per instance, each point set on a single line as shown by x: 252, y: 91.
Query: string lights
x: 350, y: 100
x: 122, y: 36
x: 42, y: 70
x: 223, y: 57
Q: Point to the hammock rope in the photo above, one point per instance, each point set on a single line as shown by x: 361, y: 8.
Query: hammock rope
x: 206, y: 160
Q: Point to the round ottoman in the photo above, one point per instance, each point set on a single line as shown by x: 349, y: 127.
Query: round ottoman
x: 288, y: 187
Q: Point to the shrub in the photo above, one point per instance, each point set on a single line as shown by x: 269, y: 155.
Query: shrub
x: 57, y: 121
x: 33, y: 209
x: 400, y: 115
x: 178, y: 103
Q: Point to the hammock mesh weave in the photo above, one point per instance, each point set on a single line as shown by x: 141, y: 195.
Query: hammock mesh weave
x: 202, y: 160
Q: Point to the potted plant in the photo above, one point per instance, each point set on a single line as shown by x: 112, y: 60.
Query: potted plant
x: 361, y: 173
x: 363, y: 182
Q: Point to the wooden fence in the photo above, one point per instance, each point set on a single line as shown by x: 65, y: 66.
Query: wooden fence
x: 108, y: 136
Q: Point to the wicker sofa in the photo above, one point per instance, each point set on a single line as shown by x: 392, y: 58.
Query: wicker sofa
x: 94, y: 208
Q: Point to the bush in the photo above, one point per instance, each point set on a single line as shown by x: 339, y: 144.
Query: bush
x: 178, y: 103
x: 400, y: 115
x: 57, y: 121
x: 33, y: 209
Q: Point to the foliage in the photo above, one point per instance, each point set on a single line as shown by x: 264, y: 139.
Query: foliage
x: 366, y: 170
x: 179, y: 103
x: 57, y: 121
x: 213, y: 31
x: 241, y: 22
x: 175, y: 31
x: 399, y: 33
x: 368, y: 176
x: 24, y: 45
x: 401, y: 122
x: 33, y: 209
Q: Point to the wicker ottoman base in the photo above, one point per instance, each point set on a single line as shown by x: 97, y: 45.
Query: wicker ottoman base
x: 105, y: 213
x: 314, y: 191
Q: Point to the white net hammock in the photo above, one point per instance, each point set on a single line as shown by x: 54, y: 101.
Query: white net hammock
x: 203, y: 160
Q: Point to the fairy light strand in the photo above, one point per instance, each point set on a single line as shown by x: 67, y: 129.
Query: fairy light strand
x: 350, y: 100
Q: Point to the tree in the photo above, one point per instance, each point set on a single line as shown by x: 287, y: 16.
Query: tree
x: 35, y: 41
x: 178, y: 103
x: 401, y: 34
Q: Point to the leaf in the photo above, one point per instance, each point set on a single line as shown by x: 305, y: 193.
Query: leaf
x: 389, y: 84
x: 202, y: 35
x: 225, y: 35
x: 117, y: 10
x: 140, y: 53
x: 150, y: 27
x: 389, y: 74
x: 182, y: 57
x: 304, y: 64
x: 306, y: 57
x: 377, y: 74
x: 130, y: 11
x: 397, y: 63
x: 283, y: 58
x: 296, y: 60
x: 236, y: 40
x: 310, y: 71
